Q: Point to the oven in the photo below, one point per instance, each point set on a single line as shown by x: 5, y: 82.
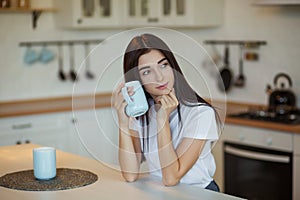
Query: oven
x: 257, y: 163
x: 257, y: 173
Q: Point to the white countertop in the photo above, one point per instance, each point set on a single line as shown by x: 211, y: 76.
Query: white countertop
x: 110, y: 184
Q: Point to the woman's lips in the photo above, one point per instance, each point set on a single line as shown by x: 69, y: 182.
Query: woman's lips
x: 162, y: 87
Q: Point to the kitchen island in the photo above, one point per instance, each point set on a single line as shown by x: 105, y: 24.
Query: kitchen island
x: 110, y: 184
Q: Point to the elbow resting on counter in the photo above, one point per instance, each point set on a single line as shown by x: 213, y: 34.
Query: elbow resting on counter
x: 170, y: 181
x: 130, y: 177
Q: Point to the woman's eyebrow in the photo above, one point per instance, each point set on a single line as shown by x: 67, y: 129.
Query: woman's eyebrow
x: 161, y: 60
x: 145, y: 67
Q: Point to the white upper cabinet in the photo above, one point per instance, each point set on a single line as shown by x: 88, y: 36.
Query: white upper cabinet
x: 173, y: 13
x: 199, y: 13
x: 138, y: 13
x: 87, y: 13
x: 276, y: 2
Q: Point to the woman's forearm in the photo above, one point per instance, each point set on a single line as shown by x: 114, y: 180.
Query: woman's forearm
x: 168, y: 157
x: 128, y: 158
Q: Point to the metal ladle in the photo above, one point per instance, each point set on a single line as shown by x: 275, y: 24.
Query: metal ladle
x: 88, y: 72
x: 73, y: 73
x: 240, y: 80
x: 61, y: 73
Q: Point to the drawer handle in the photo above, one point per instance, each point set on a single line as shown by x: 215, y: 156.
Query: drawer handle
x: 242, y: 138
x: 74, y: 120
x: 153, y: 20
x: 21, y: 126
x: 269, y: 141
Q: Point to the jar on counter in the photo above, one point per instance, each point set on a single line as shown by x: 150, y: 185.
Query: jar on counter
x: 23, y: 3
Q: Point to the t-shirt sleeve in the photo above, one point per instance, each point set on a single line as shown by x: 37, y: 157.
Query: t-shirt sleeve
x: 200, y: 123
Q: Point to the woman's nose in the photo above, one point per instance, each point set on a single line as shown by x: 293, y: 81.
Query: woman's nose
x: 159, y: 75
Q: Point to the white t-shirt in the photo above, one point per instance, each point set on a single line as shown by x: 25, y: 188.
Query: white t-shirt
x: 196, y: 122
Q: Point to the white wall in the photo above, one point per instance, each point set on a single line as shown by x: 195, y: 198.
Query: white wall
x: 279, y: 26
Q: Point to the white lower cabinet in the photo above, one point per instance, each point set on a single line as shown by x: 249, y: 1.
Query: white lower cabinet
x: 96, y: 134
x: 89, y: 133
x: 43, y: 129
x: 218, y: 155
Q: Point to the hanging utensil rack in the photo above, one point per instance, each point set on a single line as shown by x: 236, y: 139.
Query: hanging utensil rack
x: 245, y: 43
x: 59, y: 42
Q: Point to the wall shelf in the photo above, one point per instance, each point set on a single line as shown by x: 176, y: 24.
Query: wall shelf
x: 245, y: 43
x: 60, y: 42
x: 35, y: 12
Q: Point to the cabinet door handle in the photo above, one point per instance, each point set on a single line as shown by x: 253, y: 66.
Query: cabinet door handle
x: 74, y: 120
x: 18, y: 142
x: 79, y: 21
x: 27, y: 141
x: 153, y: 19
x: 21, y: 126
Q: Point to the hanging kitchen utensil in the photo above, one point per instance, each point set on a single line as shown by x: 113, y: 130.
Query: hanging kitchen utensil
x: 61, y: 73
x: 225, y: 72
x: 240, y: 80
x: 88, y: 72
x: 216, y: 57
x: 73, y: 73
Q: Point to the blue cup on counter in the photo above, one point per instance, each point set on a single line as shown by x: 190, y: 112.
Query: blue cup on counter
x: 44, y: 163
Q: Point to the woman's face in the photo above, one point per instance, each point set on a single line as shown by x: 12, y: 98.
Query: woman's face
x: 156, y: 73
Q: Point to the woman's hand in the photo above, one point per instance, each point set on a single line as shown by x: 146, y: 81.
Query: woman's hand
x: 119, y: 103
x: 167, y: 103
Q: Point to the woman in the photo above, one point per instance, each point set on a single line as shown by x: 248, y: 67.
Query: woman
x: 175, y: 134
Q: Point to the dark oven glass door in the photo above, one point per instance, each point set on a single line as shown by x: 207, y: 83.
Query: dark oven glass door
x: 256, y: 173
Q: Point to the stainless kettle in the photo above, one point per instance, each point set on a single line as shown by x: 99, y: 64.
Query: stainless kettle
x: 281, y: 100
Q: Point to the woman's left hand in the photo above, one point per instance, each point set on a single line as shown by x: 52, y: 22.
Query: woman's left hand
x: 168, y: 103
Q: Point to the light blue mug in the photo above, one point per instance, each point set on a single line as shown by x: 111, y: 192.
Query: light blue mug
x: 30, y: 56
x: 46, y: 55
x: 44, y: 163
x: 137, y: 103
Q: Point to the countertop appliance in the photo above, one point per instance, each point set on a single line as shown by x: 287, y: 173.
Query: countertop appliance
x: 282, y: 99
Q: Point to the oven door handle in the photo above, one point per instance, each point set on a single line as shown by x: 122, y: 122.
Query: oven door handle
x: 257, y: 155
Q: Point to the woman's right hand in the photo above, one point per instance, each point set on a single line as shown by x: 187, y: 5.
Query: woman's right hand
x: 119, y: 103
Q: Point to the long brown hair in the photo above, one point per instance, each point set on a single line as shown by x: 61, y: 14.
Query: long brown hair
x: 143, y: 44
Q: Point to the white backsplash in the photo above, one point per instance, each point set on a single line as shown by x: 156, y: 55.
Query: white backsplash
x: 278, y: 26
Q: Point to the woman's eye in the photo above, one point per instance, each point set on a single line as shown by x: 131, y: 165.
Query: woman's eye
x: 146, y: 72
x: 164, y: 65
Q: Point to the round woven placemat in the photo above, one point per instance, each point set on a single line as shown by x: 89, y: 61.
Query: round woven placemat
x: 65, y: 179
